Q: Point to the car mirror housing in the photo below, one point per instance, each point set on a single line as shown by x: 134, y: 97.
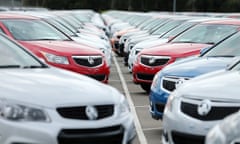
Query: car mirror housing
x: 170, y: 38
x: 204, y: 50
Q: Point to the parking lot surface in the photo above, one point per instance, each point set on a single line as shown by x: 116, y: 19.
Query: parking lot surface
x: 149, y: 131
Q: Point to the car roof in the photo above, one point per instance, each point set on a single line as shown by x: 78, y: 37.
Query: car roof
x: 224, y: 21
x: 11, y: 15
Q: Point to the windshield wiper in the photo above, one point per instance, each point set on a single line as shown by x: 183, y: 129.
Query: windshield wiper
x: 10, y: 66
x: 34, y: 66
x: 51, y: 39
x: 211, y: 43
x: 24, y: 67
x: 184, y: 42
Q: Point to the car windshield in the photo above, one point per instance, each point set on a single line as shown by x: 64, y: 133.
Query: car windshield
x: 13, y: 56
x: 168, y: 26
x: 228, y: 48
x: 60, y: 26
x: 30, y: 30
x: 206, y: 33
x: 179, y: 29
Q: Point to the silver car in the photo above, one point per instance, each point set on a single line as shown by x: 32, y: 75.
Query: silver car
x: 225, y: 132
x: 199, y: 104
x: 45, y: 105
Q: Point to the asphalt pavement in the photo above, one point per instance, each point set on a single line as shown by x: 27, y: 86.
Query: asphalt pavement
x: 148, y: 130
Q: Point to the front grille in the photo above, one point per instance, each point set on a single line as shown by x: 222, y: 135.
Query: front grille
x: 169, y: 83
x: 79, y: 112
x: 154, y: 60
x: 137, y: 51
x: 88, y: 61
x: 98, y: 77
x: 145, y: 76
x: 116, y: 44
x: 182, y: 138
x: 121, y: 47
x: 216, y: 112
x: 107, y: 135
x: 160, y: 107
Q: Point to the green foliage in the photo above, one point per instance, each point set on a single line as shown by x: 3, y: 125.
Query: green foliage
x: 141, y: 5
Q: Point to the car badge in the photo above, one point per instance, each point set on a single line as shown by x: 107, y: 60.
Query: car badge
x: 204, y: 107
x: 179, y: 82
x: 152, y: 60
x: 91, y: 60
x: 91, y: 113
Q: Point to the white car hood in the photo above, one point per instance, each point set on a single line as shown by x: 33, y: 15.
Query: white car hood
x: 150, y: 43
x: 219, y: 85
x: 52, y: 87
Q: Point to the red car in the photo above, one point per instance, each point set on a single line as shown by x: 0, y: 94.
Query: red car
x: 150, y: 61
x: 54, y: 47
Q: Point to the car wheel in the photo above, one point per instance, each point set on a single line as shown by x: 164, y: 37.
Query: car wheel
x: 146, y: 87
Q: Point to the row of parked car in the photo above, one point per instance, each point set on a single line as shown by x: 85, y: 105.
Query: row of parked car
x: 53, y: 67
x: 190, y: 66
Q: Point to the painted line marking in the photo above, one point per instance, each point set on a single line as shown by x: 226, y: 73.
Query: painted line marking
x: 144, y: 106
x: 149, y: 129
x: 141, y: 136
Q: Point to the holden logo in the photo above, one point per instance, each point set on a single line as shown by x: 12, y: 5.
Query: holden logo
x: 204, y: 107
x: 151, y: 60
x: 91, y: 60
x: 179, y: 82
x: 91, y: 112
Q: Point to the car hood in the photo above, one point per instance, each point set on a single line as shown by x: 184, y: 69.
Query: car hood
x: 174, y: 49
x: 89, y: 43
x: 196, y: 66
x: 219, y: 85
x: 66, y: 47
x: 52, y: 87
x: 150, y: 43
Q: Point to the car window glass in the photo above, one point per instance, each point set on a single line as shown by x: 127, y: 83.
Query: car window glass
x: 12, y: 54
x: 179, y: 29
x: 229, y: 47
x: 33, y: 30
x: 206, y: 33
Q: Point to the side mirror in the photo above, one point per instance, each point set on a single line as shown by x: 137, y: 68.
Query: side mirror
x: 204, y: 50
x: 234, y: 62
x: 170, y: 38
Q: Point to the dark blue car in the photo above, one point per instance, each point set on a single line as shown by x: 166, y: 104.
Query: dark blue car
x: 172, y: 76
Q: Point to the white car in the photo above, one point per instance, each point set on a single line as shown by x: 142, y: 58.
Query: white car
x: 46, y: 105
x: 199, y: 104
x: 225, y: 132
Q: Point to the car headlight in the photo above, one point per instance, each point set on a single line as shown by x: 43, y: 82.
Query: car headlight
x: 55, y: 58
x: 123, y: 106
x: 20, y: 112
x: 155, y: 81
x: 170, y: 101
x: 103, y: 50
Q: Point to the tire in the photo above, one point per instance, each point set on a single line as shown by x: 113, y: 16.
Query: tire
x: 146, y: 87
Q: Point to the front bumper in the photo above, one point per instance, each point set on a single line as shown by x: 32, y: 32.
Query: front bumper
x: 144, y: 74
x: 157, y: 101
x: 68, y: 131
x: 179, y: 128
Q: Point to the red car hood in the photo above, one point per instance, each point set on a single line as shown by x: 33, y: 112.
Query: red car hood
x: 65, y: 47
x: 174, y: 49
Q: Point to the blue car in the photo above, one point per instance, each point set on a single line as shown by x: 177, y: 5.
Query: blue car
x: 211, y: 59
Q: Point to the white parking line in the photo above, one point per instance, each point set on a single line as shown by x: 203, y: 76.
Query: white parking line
x: 143, y: 106
x: 149, y: 129
x: 141, y: 136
